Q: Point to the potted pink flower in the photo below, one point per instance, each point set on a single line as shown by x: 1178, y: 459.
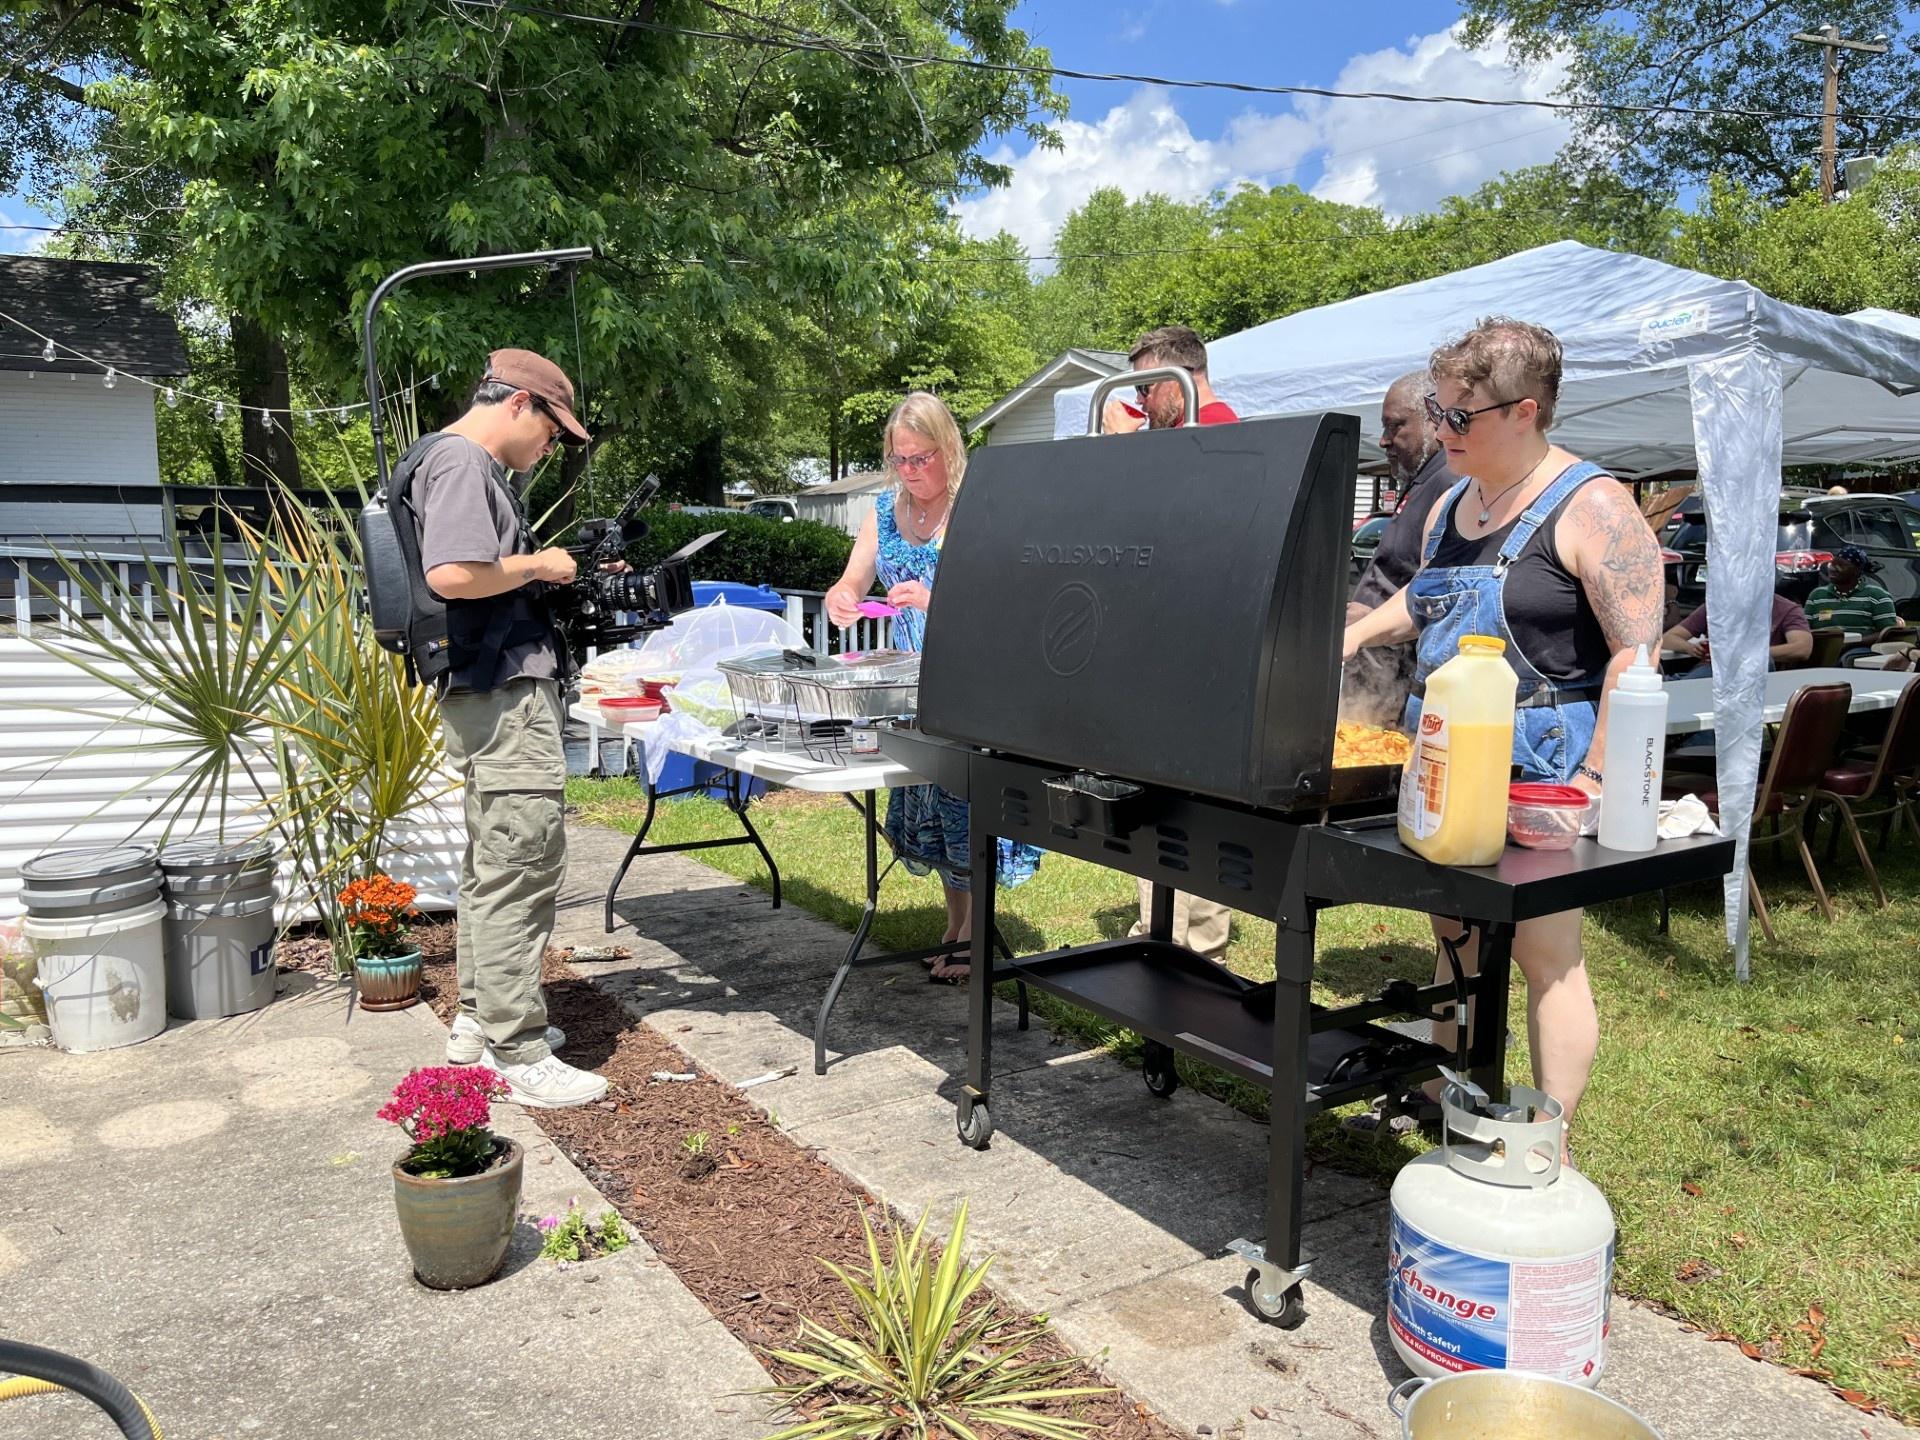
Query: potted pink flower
x: 457, y: 1189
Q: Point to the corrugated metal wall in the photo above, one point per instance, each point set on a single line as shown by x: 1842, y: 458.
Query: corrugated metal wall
x: 70, y: 779
x: 72, y: 430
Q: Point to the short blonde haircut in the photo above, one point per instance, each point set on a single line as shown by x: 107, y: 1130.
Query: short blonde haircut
x: 927, y: 416
x: 1505, y: 360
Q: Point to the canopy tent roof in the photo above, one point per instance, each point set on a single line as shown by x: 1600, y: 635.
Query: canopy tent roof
x: 1629, y: 327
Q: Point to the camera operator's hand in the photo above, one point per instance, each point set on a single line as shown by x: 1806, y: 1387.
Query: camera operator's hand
x: 617, y: 567
x: 554, y: 565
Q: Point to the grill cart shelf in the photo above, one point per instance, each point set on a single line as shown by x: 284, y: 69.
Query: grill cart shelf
x: 1307, y: 1056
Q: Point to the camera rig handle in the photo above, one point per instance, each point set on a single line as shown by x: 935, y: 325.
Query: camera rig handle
x: 573, y: 255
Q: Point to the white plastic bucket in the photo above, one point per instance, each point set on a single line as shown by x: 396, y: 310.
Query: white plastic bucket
x: 105, y: 979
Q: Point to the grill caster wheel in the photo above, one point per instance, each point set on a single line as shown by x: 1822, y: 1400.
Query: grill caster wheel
x: 975, y: 1126
x: 1157, y: 1069
x: 1286, y: 1308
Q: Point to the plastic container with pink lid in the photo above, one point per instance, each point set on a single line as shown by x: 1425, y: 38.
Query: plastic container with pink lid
x: 1546, y: 817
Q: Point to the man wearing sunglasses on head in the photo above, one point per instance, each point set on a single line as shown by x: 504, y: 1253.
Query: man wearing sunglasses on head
x: 501, y: 713
x: 1202, y: 925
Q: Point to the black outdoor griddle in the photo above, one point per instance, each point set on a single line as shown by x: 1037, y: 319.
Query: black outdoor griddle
x: 1134, y: 658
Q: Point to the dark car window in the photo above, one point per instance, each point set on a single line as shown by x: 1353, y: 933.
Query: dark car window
x: 1881, y: 527
x: 1798, y: 531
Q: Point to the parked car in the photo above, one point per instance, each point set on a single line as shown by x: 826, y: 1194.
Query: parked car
x: 1366, y: 540
x: 1810, y: 529
x: 774, y: 507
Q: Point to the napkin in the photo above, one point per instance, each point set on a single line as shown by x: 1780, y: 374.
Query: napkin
x: 1678, y: 819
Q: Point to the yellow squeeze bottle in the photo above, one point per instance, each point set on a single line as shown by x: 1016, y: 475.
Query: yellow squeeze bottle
x: 1453, y: 793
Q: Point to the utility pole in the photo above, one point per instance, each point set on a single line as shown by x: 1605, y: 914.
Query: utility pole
x: 1829, y: 40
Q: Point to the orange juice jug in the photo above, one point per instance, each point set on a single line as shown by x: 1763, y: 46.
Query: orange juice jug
x: 1453, y: 793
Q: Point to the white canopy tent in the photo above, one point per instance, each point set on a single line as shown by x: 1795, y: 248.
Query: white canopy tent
x: 1666, y: 369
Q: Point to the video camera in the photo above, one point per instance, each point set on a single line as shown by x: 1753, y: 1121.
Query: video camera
x: 603, y: 609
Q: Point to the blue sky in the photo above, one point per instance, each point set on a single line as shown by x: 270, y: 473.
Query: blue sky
x: 1186, y: 143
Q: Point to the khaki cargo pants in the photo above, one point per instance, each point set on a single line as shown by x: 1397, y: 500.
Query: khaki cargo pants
x: 1199, y: 924
x: 505, y: 744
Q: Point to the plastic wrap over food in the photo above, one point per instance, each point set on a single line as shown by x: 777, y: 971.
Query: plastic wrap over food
x: 1736, y: 424
x: 702, y: 701
x: 696, y: 639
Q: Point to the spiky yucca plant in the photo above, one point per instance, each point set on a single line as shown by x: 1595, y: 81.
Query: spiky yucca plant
x: 914, y: 1361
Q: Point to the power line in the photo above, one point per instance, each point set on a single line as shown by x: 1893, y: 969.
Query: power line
x: 811, y: 41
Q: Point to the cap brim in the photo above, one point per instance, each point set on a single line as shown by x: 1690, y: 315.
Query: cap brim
x: 572, y: 432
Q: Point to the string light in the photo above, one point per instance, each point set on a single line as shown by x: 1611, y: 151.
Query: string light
x: 111, y: 375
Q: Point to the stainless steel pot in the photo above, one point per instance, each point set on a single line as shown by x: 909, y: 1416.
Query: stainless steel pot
x: 1510, y: 1405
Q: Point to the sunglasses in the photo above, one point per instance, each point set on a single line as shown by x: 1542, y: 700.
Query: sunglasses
x: 910, y: 464
x: 1144, y: 390
x: 1457, y: 420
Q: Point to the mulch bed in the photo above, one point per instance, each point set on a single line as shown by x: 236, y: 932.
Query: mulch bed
x: 744, y: 1222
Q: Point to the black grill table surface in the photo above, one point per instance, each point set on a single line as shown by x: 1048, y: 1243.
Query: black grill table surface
x: 1133, y: 653
x: 859, y: 779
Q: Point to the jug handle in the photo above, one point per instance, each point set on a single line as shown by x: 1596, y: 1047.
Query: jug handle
x: 1399, y: 1396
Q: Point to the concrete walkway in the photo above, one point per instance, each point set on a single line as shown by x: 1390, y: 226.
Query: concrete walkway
x: 1106, y: 1208
x: 209, y: 1216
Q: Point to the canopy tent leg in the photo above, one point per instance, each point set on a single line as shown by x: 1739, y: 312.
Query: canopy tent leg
x: 1737, y: 402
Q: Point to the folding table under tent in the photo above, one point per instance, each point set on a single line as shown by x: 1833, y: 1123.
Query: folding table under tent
x: 1666, y: 369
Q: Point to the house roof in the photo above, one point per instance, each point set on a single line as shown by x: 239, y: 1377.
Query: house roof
x: 1053, y: 376
x: 102, y: 309
x: 850, y: 485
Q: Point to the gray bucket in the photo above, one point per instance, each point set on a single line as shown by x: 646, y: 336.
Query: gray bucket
x: 220, y: 928
x: 64, y: 885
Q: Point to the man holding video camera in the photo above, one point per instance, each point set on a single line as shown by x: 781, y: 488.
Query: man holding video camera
x: 501, y: 713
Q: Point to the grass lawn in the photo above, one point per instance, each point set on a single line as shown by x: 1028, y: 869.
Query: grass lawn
x: 1760, y: 1143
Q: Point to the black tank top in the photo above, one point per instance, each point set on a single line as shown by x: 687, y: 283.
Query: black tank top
x: 1548, y: 614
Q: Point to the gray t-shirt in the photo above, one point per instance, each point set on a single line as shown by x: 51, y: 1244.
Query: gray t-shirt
x: 461, y: 495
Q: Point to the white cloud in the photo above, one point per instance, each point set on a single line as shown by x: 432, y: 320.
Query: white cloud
x: 22, y: 242
x: 1400, y: 157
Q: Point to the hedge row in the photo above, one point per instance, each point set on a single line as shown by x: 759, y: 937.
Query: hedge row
x: 788, y: 555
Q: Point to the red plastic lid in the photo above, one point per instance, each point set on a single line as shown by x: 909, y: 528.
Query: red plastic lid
x: 1549, y: 797
x: 629, y: 702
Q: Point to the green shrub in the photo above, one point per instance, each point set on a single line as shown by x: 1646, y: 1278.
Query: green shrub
x: 788, y: 555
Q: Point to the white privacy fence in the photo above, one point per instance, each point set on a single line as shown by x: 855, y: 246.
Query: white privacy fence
x: 81, y: 765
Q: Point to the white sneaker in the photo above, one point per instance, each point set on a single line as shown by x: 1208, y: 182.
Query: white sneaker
x: 468, y: 1040
x: 549, y: 1084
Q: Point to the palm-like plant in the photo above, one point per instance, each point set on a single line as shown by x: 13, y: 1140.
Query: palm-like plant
x: 922, y: 1356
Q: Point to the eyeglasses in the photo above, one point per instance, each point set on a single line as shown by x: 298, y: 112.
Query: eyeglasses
x: 552, y: 419
x: 1457, y: 420
x: 1143, y: 390
x: 911, y: 464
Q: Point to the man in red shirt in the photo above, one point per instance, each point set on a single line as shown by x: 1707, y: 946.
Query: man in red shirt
x: 1161, y: 405
x: 1200, y: 924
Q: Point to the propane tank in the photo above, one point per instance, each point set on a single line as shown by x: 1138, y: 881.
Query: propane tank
x: 1499, y: 1259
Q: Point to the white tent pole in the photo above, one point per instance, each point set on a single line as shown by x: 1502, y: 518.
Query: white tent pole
x: 1737, y: 405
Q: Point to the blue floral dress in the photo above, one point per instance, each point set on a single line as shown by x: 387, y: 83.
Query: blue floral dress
x: 927, y: 826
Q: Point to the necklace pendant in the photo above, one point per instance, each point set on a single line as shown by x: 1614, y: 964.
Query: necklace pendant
x: 1486, y: 516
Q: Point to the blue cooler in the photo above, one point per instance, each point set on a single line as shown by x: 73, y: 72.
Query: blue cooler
x: 679, y: 771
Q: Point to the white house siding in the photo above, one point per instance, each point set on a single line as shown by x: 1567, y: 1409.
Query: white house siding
x: 1024, y: 421
x: 69, y: 780
x: 843, y: 512
x: 72, y: 430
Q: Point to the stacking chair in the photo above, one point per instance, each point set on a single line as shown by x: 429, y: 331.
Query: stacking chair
x: 1882, y: 788
x: 1792, y: 782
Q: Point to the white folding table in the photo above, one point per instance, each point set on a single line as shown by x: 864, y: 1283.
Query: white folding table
x: 1690, y: 702
x: 853, y: 777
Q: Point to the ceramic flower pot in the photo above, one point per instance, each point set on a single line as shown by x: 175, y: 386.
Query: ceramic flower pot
x: 388, y: 982
x: 457, y: 1231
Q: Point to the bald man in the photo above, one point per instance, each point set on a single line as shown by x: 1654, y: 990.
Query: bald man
x: 1376, y: 683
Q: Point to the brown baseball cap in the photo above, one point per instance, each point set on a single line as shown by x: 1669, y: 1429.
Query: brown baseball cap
x: 545, y: 381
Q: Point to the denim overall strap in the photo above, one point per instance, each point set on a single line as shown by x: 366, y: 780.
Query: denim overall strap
x: 1537, y: 514
x: 1447, y: 502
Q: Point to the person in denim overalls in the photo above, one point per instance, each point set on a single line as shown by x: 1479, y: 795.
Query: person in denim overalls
x: 1544, y: 551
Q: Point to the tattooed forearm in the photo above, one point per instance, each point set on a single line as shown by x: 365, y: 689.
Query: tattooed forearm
x: 1618, y: 563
